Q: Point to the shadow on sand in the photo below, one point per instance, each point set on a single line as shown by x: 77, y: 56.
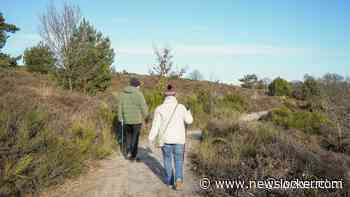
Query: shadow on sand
x: 144, y: 155
x: 151, y: 162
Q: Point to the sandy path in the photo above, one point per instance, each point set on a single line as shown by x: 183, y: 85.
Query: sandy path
x: 116, y: 177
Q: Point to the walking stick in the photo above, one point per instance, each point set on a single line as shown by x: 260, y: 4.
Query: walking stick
x: 122, y: 128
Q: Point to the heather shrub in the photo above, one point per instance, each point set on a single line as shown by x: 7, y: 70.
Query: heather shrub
x: 206, y: 99
x: 258, y: 151
x: 234, y: 102
x: 153, y: 99
x: 44, y: 139
x: 280, y: 87
x: 32, y: 156
x: 310, y: 122
x: 155, y: 96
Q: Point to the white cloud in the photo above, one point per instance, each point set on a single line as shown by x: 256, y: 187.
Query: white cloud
x: 134, y: 50
x: 214, y: 50
x: 20, y: 41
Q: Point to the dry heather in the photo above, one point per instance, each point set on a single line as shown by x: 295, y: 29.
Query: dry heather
x: 47, y: 134
x: 258, y: 151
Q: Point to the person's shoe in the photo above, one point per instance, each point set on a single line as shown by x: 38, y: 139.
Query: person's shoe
x: 129, y: 156
x: 132, y: 159
x: 178, y: 185
x: 137, y: 159
x: 170, y: 186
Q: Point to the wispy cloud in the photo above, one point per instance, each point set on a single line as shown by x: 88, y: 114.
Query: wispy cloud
x: 134, y: 50
x: 216, y: 50
x: 239, y: 49
x: 19, y: 41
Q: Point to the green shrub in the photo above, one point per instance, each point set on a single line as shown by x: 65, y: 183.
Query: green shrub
x: 39, y: 59
x: 281, y: 116
x: 107, y: 136
x: 192, y: 102
x: 153, y: 99
x: 33, y: 155
x: 234, y: 101
x: 84, y: 136
x: 310, y: 122
x: 248, y: 150
x: 107, y: 114
x: 266, y: 133
x: 206, y: 99
x: 310, y: 87
x: 280, y: 87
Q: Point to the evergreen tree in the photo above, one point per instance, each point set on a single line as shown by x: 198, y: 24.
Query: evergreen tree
x: 280, y: 87
x: 90, y: 68
x: 5, y: 28
x: 249, y: 81
x: 39, y: 59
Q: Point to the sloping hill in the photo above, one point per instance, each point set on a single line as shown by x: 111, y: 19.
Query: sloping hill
x: 41, y: 121
x: 48, y: 135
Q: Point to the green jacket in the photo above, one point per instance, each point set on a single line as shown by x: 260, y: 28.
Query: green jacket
x: 132, y: 108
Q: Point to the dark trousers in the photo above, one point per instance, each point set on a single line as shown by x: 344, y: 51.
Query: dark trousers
x: 132, y: 133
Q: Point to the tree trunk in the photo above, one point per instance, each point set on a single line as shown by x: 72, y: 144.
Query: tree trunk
x: 70, y: 84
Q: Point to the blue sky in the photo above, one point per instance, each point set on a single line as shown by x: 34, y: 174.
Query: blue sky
x: 223, y: 39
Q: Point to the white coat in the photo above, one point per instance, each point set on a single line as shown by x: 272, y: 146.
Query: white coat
x: 175, y: 133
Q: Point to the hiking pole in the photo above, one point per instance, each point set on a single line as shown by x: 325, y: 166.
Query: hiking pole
x: 122, y: 128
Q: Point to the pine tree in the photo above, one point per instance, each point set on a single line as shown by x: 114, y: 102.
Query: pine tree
x: 39, y: 59
x: 249, y: 81
x: 5, y: 28
x: 91, y: 60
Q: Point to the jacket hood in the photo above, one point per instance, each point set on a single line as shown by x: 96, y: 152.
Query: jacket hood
x: 130, y: 89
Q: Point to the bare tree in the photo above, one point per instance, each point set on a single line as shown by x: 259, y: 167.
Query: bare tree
x: 165, y: 64
x: 196, y: 75
x: 178, y: 72
x: 56, y: 29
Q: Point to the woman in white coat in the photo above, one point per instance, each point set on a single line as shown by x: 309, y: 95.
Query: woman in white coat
x: 168, y: 127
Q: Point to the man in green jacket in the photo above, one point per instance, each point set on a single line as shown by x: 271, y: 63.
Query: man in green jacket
x: 132, y: 110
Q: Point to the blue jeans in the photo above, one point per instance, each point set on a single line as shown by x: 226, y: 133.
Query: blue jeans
x: 171, y: 151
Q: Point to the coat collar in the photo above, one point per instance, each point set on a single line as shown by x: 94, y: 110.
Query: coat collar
x: 170, y: 99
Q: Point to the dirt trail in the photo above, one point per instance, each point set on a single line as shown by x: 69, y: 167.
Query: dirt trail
x: 116, y: 177
x: 253, y: 116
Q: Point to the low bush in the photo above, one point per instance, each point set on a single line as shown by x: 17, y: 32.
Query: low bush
x: 33, y: 156
x: 258, y: 151
x: 234, y: 102
x: 153, y: 99
x: 44, y: 140
x: 155, y: 96
x: 310, y: 122
x: 248, y: 150
x: 206, y: 99
x: 280, y: 87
